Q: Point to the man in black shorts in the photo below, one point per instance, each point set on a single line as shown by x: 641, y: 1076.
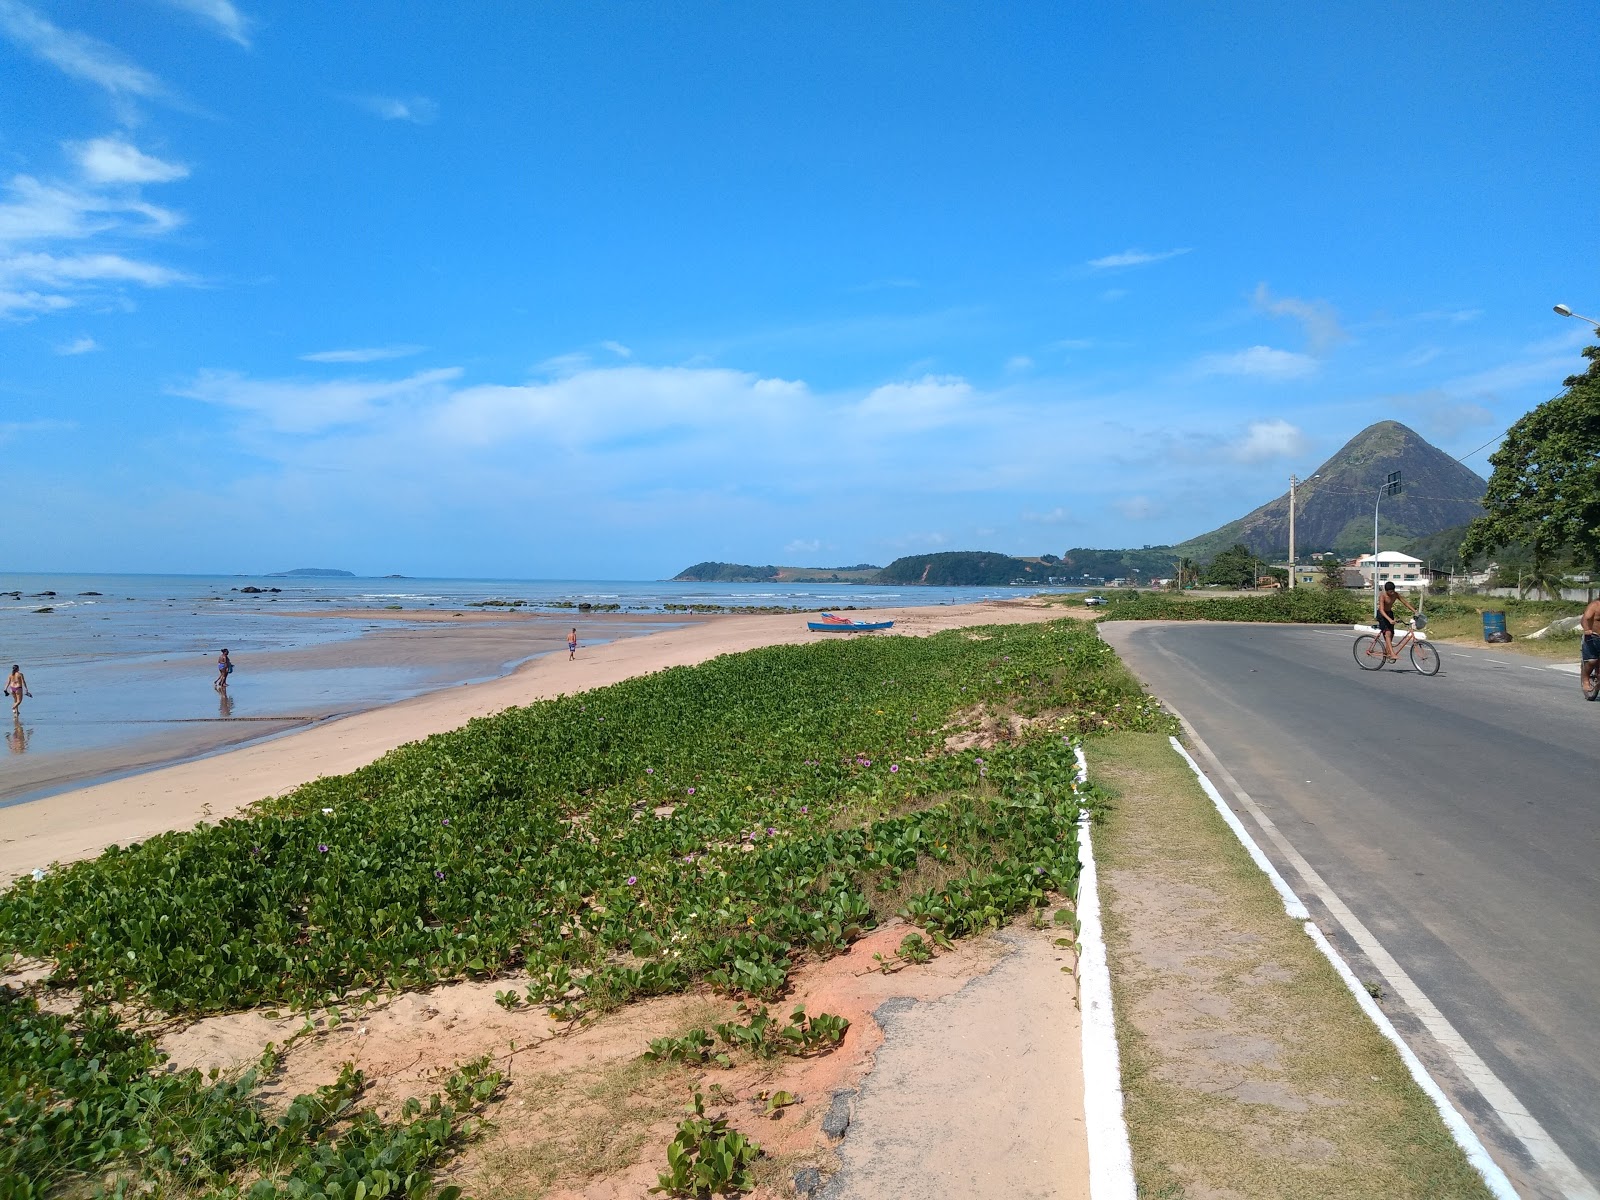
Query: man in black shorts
x: 1590, y: 624
x: 1386, y: 602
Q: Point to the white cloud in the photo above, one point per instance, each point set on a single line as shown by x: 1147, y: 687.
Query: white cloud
x: 1259, y: 362
x: 77, y: 54
x: 921, y: 404
x: 113, y: 160
x: 1019, y: 363
x: 14, y: 303
x: 301, y: 406
x: 618, y: 349
x: 1134, y: 258
x: 230, y: 22
x: 34, y: 211
x: 803, y: 546
x: 78, y: 345
x: 1266, y: 440
x: 419, y: 110
x: 599, y: 404
x: 55, y: 271
x: 362, y: 354
x: 1317, y: 317
x: 1056, y: 516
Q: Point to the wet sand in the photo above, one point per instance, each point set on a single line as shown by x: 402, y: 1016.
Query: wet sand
x: 82, y: 822
x: 156, y: 713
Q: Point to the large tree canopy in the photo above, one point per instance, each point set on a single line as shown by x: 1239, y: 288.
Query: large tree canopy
x: 1545, y: 489
x: 1235, y: 567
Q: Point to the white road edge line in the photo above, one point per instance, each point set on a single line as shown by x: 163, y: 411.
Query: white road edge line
x: 1551, y: 1160
x: 1110, y: 1156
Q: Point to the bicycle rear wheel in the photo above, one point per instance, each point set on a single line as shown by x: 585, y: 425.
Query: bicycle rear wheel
x: 1424, y: 658
x: 1589, y: 693
x: 1369, y: 652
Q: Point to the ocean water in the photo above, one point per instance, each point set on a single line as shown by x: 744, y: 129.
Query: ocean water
x: 121, y: 666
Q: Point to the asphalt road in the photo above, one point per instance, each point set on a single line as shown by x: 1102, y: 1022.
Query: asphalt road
x: 1456, y: 816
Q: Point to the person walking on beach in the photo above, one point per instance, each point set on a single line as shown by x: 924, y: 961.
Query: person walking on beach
x: 224, y: 669
x: 17, y: 688
x: 572, y: 645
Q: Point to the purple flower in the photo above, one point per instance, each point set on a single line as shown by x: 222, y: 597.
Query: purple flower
x: 446, y: 821
x: 983, y: 770
x: 894, y: 768
x: 649, y: 770
x: 691, y: 791
x: 1038, y: 870
x: 771, y: 831
x: 632, y: 879
x: 979, y: 761
x: 438, y: 874
x: 322, y: 847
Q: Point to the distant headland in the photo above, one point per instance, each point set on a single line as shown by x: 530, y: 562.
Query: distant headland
x: 312, y: 573
x: 951, y: 568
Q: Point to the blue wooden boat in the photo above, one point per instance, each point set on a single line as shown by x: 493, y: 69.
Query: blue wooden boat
x: 833, y: 624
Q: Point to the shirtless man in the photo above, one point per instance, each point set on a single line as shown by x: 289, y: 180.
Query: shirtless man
x: 1386, y: 603
x: 1589, y: 672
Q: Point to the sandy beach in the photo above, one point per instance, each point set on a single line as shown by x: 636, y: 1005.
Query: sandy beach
x: 80, y: 823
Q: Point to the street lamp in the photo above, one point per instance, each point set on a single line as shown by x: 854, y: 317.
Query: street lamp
x: 1292, y: 482
x: 1563, y: 310
x: 1391, y: 487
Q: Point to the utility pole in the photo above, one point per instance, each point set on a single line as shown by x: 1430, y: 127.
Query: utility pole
x: 1391, y: 487
x: 1292, y: 571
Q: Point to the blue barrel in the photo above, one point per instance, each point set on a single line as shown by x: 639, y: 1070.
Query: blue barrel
x: 1494, y: 626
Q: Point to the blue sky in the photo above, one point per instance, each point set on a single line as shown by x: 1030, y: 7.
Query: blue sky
x: 566, y: 291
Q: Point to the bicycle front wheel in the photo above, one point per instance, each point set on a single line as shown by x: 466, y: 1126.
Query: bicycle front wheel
x: 1424, y: 658
x: 1369, y: 652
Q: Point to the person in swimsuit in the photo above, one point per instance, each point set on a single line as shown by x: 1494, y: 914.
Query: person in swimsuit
x: 17, y: 688
x: 1386, y: 602
x: 572, y: 645
x: 1590, y: 624
x: 224, y: 669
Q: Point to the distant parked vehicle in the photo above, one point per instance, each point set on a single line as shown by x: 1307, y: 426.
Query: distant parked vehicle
x: 1095, y: 601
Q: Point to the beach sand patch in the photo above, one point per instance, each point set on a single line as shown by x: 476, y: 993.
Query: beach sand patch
x: 585, y: 1115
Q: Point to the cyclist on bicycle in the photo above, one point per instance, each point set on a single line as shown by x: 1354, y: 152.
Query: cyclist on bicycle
x: 1590, y: 624
x: 1385, y: 614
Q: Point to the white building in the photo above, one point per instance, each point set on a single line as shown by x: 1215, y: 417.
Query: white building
x: 1403, y: 570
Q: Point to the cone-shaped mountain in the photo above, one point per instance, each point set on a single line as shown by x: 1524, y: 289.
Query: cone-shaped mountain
x: 1334, y: 506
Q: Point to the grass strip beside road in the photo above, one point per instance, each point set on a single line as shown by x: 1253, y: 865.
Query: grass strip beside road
x: 1248, y: 1068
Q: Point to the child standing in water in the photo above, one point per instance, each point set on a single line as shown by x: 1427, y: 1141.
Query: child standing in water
x: 572, y: 645
x: 17, y: 686
x: 224, y: 669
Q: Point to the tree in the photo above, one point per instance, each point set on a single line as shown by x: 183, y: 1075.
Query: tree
x: 1235, y: 567
x: 1333, y: 573
x: 1545, y: 489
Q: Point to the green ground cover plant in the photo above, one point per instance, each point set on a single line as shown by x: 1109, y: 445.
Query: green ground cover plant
x: 697, y: 823
x: 709, y: 824
x: 1309, y: 605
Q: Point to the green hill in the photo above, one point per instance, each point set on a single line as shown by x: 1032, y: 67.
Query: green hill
x: 966, y: 568
x: 1334, y: 506
x: 721, y: 572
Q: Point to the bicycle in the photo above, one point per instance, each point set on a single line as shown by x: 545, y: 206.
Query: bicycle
x: 1368, y: 649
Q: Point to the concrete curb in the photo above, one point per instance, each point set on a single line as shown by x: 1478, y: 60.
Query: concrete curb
x: 1110, y: 1156
x: 1477, y: 1154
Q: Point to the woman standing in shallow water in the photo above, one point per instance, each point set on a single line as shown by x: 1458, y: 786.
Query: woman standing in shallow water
x: 17, y: 688
x: 224, y: 669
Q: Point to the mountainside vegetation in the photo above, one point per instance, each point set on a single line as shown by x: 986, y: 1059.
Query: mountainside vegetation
x: 722, y: 572
x: 1334, y: 504
x: 967, y: 568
